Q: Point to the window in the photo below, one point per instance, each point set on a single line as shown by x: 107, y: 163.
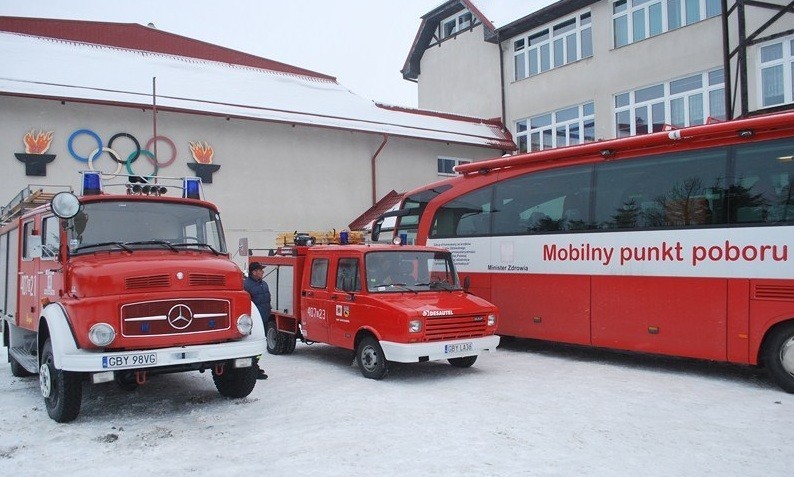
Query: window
x: 319, y: 278
x: 50, y: 238
x: 27, y: 242
x: 761, y: 191
x: 446, y: 165
x: 454, y: 24
x: 564, y: 127
x: 776, y: 71
x: 552, y: 47
x: 683, y: 102
x: 347, y: 275
x: 465, y: 216
x: 636, y: 20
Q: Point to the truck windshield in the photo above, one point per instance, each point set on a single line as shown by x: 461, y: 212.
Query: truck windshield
x: 394, y: 271
x: 133, y: 225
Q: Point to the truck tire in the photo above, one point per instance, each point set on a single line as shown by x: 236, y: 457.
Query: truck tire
x: 276, y: 340
x: 370, y: 359
x: 464, y: 362
x: 779, y: 357
x: 235, y: 382
x: 62, y: 390
x: 291, y: 340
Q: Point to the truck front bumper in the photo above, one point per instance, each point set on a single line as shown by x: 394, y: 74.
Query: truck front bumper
x: 414, y: 352
x: 97, y: 362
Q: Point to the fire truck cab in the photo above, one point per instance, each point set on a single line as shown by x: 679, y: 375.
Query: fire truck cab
x: 384, y: 302
x: 122, y: 286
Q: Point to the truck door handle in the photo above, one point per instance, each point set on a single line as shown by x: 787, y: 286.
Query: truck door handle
x: 307, y: 293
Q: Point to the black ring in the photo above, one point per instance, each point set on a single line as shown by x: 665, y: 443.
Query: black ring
x: 137, y: 147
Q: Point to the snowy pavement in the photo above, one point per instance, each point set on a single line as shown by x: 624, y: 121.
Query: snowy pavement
x: 527, y: 409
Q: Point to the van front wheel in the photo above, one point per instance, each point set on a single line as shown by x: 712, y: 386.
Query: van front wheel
x: 370, y: 359
x: 464, y: 362
x: 62, y: 390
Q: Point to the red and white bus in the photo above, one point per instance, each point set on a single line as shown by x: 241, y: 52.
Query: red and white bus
x: 678, y: 243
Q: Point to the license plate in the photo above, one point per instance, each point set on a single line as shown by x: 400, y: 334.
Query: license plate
x: 129, y: 360
x: 454, y: 348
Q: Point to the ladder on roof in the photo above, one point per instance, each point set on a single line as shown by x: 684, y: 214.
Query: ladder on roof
x: 28, y: 198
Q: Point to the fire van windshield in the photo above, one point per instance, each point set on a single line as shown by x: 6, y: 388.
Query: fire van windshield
x: 131, y: 225
x: 415, y: 271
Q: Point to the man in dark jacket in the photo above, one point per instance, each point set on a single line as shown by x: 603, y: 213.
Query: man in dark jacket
x: 256, y: 286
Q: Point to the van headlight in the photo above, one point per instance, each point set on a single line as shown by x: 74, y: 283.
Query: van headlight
x: 491, y: 320
x: 415, y: 326
x: 245, y: 324
x: 101, y: 334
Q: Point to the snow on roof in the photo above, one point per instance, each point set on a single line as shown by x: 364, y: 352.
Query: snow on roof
x: 46, y: 67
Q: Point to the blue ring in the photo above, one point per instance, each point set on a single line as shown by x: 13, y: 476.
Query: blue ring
x: 90, y: 133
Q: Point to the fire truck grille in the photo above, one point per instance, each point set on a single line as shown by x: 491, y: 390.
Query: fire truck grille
x: 175, y: 317
x: 774, y: 292
x: 151, y: 281
x: 203, y: 279
x: 453, y: 327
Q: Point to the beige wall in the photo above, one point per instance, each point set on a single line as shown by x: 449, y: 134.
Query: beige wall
x: 273, y: 177
x: 461, y: 75
x: 695, y: 48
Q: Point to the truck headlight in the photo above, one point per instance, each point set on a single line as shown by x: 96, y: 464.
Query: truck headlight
x: 491, y: 319
x: 101, y: 334
x: 245, y: 324
x: 415, y: 326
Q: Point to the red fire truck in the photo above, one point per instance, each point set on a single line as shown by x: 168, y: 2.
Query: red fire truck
x: 122, y: 286
x: 384, y: 302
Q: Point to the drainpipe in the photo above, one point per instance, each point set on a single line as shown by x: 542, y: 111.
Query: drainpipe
x: 375, y: 156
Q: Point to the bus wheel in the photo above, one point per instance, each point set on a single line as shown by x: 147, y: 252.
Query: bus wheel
x: 464, y: 362
x: 235, y: 382
x: 276, y: 340
x: 779, y: 357
x: 62, y: 390
x: 371, y: 361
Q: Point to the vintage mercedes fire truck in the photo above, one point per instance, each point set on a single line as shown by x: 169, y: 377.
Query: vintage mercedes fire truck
x: 119, y: 286
x: 384, y: 302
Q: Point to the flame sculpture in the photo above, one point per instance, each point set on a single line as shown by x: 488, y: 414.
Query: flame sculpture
x: 37, y: 143
x: 201, y: 152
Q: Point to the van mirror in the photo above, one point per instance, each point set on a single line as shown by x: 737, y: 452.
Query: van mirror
x: 376, y: 229
x: 466, y: 283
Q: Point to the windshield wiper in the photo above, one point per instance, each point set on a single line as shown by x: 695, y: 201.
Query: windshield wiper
x: 438, y: 284
x: 103, y: 244
x: 197, y: 244
x: 152, y: 242
x: 397, y: 285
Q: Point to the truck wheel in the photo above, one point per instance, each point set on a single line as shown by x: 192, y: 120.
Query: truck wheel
x: 779, y: 357
x: 464, y: 362
x: 370, y: 358
x: 291, y: 340
x: 276, y: 343
x: 62, y: 390
x: 16, y: 369
x: 235, y: 382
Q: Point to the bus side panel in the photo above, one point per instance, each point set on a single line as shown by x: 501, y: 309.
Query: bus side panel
x: 548, y: 307
x: 479, y: 284
x: 667, y: 315
x: 738, y: 321
x: 771, y: 302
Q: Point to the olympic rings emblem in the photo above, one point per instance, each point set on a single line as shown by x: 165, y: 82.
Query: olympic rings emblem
x: 97, y: 152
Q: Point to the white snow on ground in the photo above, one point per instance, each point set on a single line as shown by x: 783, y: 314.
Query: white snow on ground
x: 527, y: 409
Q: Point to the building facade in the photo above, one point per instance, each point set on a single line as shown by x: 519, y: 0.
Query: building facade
x: 278, y: 148
x: 582, y: 70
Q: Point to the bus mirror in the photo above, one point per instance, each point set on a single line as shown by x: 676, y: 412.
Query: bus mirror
x: 376, y: 229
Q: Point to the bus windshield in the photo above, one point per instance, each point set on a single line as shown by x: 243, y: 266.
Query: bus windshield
x: 134, y: 225
x: 416, y: 271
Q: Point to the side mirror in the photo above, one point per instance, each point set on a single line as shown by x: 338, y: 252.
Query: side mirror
x: 376, y: 226
x: 466, y: 283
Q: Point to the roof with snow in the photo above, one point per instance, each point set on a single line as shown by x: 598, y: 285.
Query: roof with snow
x: 207, y: 80
x: 500, y: 19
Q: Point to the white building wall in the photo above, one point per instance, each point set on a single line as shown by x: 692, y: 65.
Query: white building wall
x: 273, y: 177
x: 461, y: 75
x: 671, y: 55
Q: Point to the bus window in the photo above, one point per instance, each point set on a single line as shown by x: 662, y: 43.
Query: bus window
x: 408, y: 224
x: 466, y: 216
x: 676, y: 191
x: 761, y: 190
x: 543, y: 202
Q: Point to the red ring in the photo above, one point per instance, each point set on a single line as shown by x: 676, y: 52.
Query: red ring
x: 168, y: 141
